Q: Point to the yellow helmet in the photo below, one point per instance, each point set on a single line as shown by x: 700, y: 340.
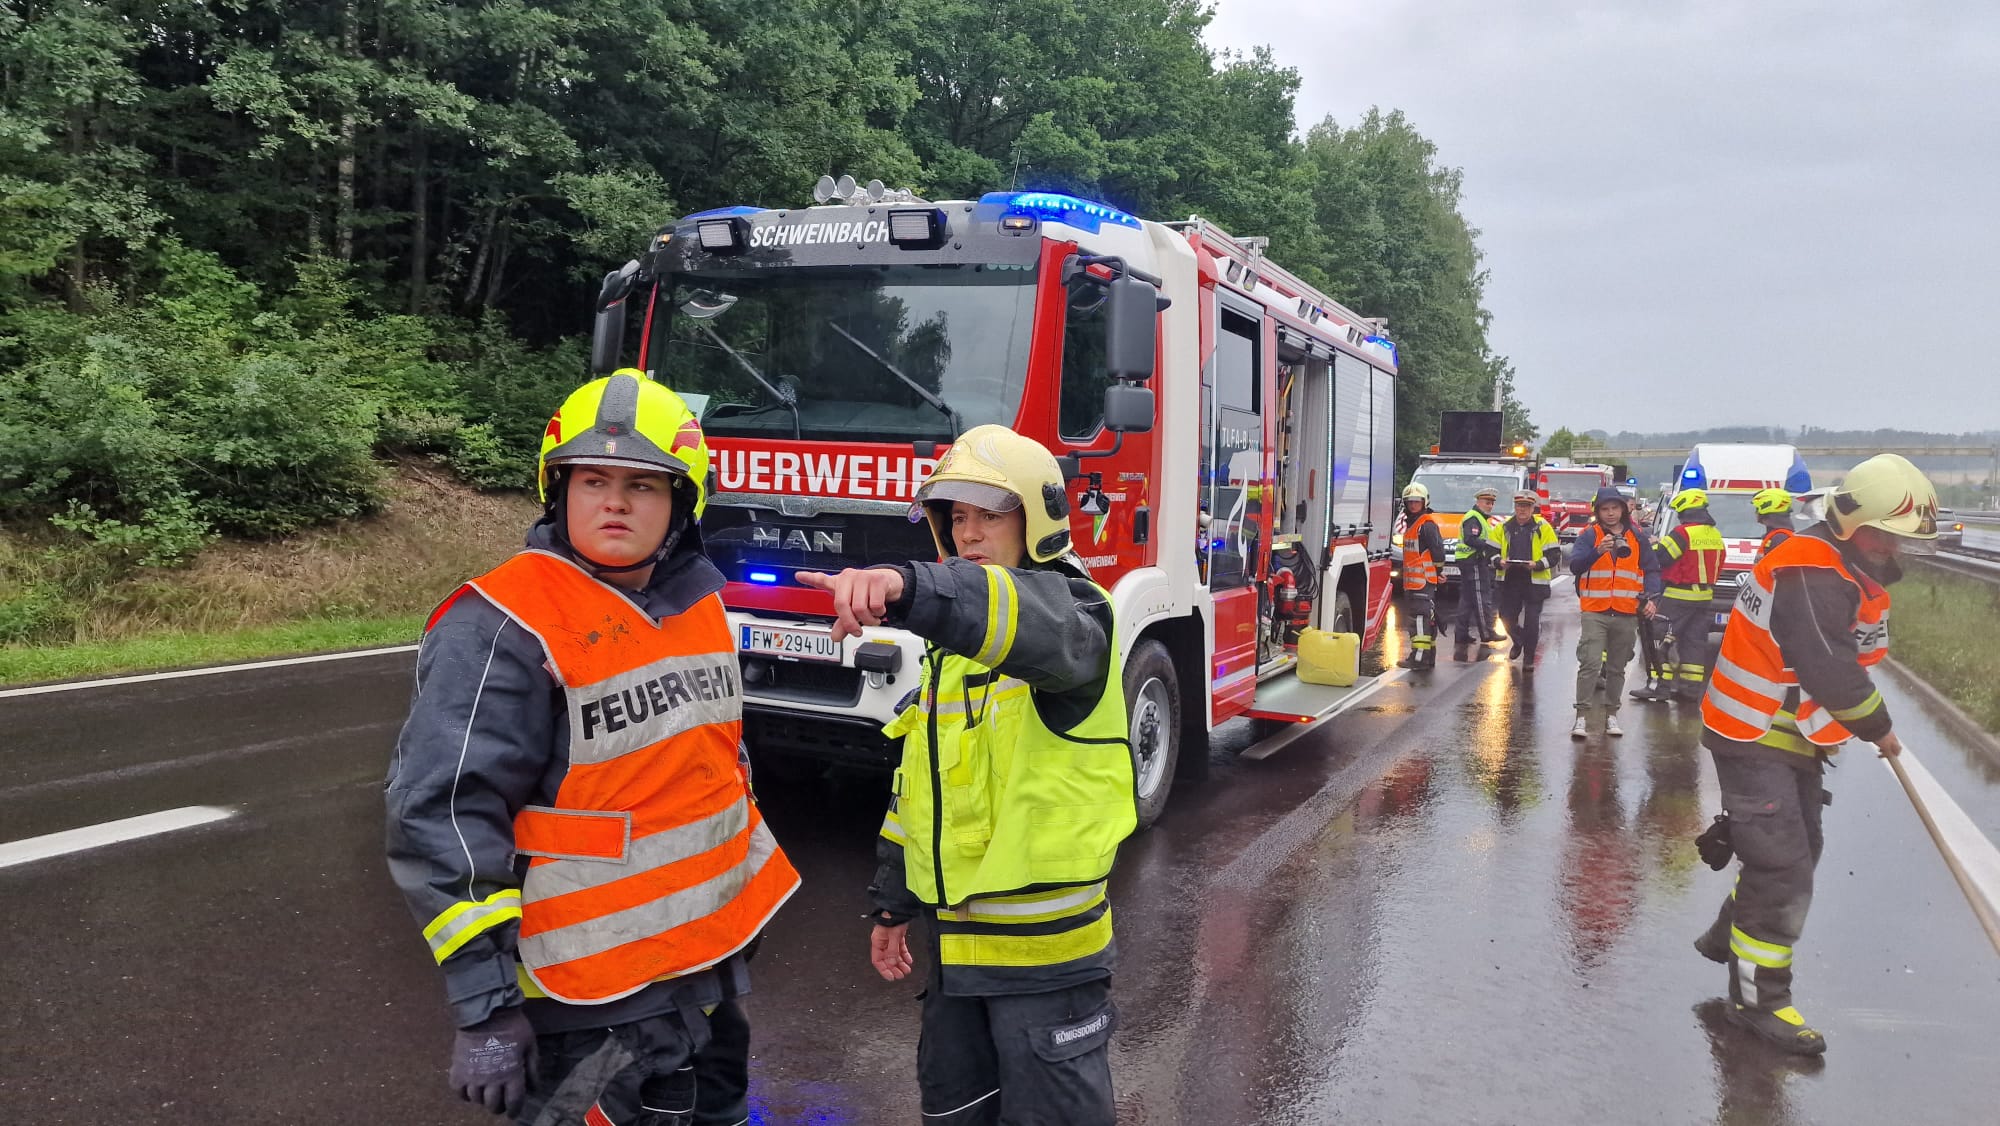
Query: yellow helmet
x: 993, y: 467
x: 626, y: 419
x: 1689, y: 498
x: 1772, y: 502
x: 1885, y: 492
x: 1415, y: 490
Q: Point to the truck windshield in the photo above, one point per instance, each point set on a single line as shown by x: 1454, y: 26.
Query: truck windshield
x: 1452, y: 493
x: 908, y: 354
x: 1572, y: 486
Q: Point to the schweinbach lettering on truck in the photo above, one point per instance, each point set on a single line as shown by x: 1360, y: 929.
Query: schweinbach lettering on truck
x: 820, y: 233
x: 858, y: 472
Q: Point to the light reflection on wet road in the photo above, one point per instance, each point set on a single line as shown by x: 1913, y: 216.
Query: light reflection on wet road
x: 1439, y: 910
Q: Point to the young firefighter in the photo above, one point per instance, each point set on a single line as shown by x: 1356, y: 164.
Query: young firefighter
x: 1617, y: 579
x: 1774, y: 511
x: 1689, y: 557
x: 1014, y: 792
x: 567, y: 814
x: 1423, y: 560
x: 1792, y: 685
x: 1478, y: 551
x: 1528, y: 558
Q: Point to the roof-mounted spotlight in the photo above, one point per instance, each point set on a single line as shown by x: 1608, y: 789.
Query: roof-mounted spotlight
x: 823, y: 191
x: 916, y: 227
x: 876, y: 191
x: 724, y: 236
x: 1235, y: 271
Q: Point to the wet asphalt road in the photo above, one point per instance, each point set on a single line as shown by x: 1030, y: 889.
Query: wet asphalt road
x: 1437, y: 909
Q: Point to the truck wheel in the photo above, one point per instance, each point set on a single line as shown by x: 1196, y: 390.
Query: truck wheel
x: 1343, y: 614
x: 1153, y: 702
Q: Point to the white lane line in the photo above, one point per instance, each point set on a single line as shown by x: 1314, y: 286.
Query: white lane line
x: 211, y: 670
x: 31, y: 849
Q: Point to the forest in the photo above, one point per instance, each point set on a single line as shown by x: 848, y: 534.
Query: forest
x: 251, y: 250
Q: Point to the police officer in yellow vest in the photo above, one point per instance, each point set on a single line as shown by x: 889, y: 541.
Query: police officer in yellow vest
x: 1529, y: 552
x: 575, y: 741
x: 1791, y: 685
x: 1477, y: 555
x: 1014, y: 791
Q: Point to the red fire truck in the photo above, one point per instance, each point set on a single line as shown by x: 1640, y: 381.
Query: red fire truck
x: 1228, y: 430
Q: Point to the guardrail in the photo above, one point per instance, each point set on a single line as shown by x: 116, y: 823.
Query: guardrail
x: 1973, y: 860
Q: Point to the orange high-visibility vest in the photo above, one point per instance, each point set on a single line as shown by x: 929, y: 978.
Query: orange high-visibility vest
x: 1613, y: 584
x: 1419, y: 569
x: 654, y: 861
x: 1751, y: 683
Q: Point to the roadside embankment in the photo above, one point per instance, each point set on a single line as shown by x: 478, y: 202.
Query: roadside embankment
x: 1945, y: 628
x: 358, y: 584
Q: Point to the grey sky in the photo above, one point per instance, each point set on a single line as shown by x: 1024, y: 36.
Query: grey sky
x: 1701, y: 213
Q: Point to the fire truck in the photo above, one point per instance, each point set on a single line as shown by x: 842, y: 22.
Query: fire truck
x: 1569, y: 494
x: 1227, y: 430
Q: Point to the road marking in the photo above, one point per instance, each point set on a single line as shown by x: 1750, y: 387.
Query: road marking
x: 212, y: 670
x: 1297, y: 731
x: 32, y: 849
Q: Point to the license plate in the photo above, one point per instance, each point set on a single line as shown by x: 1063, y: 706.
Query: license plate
x: 1722, y: 619
x: 1450, y: 572
x: 799, y: 644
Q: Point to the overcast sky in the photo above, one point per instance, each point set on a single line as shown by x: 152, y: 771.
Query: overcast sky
x: 1772, y: 213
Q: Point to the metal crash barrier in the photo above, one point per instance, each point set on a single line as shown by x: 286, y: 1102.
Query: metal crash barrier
x: 1972, y: 858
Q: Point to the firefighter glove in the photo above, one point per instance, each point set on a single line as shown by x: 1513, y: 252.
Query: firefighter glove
x: 492, y: 1060
x: 1714, y: 845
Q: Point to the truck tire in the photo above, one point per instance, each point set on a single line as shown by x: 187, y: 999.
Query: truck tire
x: 1153, y: 704
x: 1343, y: 614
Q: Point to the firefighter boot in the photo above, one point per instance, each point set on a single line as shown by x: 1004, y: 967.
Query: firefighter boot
x: 1653, y: 693
x: 1713, y: 943
x: 1783, y: 1029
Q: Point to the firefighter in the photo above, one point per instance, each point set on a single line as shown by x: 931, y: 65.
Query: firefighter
x: 1014, y: 792
x: 1690, y: 557
x: 1774, y: 511
x: 1423, y: 560
x: 1791, y: 685
x: 1478, y: 548
x: 1528, y: 566
x: 576, y: 733
x: 1617, y: 580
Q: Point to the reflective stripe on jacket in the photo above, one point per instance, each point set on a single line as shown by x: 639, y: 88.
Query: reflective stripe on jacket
x: 1754, y: 694
x: 1007, y: 827
x: 1473, y: 528
x: 1613, y: 583
x: 653, y: 861
x: 1694, y: 555
x: 1420, y: 569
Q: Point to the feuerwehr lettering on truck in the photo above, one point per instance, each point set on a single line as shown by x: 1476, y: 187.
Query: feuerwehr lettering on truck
x: 858, y: 471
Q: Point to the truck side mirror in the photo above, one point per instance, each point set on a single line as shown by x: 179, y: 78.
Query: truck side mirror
x: 607, y: 335
x: 1131, y: 316
x: 1128, y: 408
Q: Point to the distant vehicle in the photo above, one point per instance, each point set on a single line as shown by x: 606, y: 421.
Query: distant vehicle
x: 1568, y: 492
x: 1731, y: 474
x: 1454, y: 477
x: 1951, y: 530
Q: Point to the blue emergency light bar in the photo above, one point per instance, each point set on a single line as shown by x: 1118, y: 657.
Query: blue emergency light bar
x: 1798, y: 479
x: 721, y: 212
x: 1054, y: 207
x: 1385, y: 342
x: 766, y: 577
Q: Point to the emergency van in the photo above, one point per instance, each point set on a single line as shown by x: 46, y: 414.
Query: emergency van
x: 1230, y: 490
x: 1732, y: 473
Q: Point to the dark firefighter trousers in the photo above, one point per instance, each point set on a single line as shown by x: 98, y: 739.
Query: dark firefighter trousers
x: 1774, y: 823
x: 1421, y: 606
x: 1687, y: 620
x: 1030, y: 1059
x: 676, y: 1069
x: 1475, y: 600
x: 1521, y: 601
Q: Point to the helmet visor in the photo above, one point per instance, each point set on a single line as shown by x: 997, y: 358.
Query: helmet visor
x: 993, y: 498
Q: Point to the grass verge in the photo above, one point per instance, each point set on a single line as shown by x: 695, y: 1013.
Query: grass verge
x: 1942, y: 626
x: 185, y: 650
x: 357, y: 585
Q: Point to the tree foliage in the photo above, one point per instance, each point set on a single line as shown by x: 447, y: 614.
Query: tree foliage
x: 247, y: 247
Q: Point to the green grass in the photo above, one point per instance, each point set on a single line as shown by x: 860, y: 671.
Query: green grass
x: 1946, y: 628
x: 28, y: 665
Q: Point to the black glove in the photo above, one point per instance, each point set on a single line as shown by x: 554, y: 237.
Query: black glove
x: 492, y: 1061
x: 1714, y: 844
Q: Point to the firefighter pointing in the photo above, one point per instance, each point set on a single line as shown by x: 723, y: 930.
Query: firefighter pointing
x: 1791, y: 685
x: 567, y: 815
x: 1014, y: 791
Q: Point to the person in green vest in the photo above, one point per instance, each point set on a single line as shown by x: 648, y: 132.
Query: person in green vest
x: 1014, y: 792
x: 1529, y: 553
x: 1478, y: 549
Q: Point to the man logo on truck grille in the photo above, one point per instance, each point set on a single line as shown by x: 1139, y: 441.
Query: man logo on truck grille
x: 794, y: 539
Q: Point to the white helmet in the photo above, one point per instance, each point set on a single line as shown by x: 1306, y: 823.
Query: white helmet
x: 1415, y: 490
x: 1885, y: 492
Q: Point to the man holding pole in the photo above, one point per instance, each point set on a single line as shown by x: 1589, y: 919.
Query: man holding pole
x: 1791, y: 685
